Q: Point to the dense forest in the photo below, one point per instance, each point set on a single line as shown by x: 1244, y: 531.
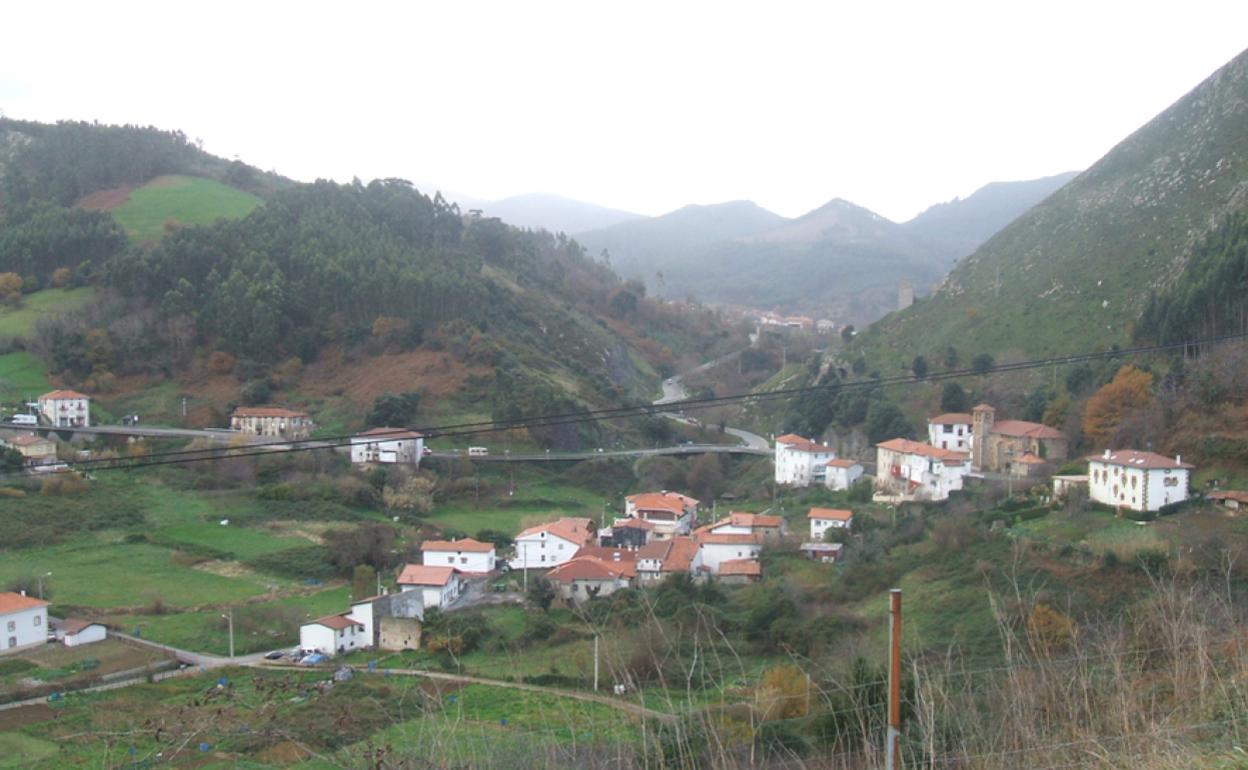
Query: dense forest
x: 1211, y: 295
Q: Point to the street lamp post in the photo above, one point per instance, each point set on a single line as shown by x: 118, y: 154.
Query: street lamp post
x: 230, y: 618
x: 41, y: 577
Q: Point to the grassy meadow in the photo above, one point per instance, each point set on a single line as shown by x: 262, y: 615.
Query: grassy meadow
x: 184, y: 200
x: 19, y: 322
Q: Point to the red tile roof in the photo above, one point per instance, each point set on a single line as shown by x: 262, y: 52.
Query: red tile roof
x: 906, y: 446
x: 1237, y: 495
x: 680, y: 556
x: 662, y: 501
x: 62, y: 394
x: 465, y: 544
x: 840, y: 463
x: 71, y: 626
x: 802, y: 444
x: 393, y: 434
x: 719, y: 538
x: 635, y: 523
x: 1029, y: 459
x: 1133, y: 459
x: 951, y: 418
x: 423, y: 575
x: 266, y: 411
x: 831, y: 514
x: 1024, y: 429
x: 14, y: 602
x: 336, y: 622
x: 656, y: 550
x: 748, y: 567
x: 28, y: 440
x: 573, y: 529
x: 590, y: 568
x: 745, y: 520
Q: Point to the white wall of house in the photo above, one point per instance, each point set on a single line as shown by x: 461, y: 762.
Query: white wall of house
x: 438, y: 596
x: 801, y: 468
x: 582, y: 589
x: 66, y: 412
x: 842, y: 478
x: 955, y: 436
x: 24, y: 628
x: 464, y: 561
x: 713, y: 554
x: 400, y: 451
x: 362, y: 613
x: 92, y: 633
x: 935, y: 480
x: 1140, y: 489
x: 542, y: 550
x: 820, y: 527
x: 330, y: 641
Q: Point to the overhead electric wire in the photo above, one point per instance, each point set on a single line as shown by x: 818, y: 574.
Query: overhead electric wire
x: 185, y: 456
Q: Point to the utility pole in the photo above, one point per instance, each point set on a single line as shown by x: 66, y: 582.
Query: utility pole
x: 230, y: 618
x: 595, y: 662
x: 525, y: 550
x: 184, y: 406
x: 41, y: 577
x: 892, y: 751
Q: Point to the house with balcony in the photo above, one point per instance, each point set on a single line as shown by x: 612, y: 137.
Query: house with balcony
x: 65, y: 409
x: 912, y: 470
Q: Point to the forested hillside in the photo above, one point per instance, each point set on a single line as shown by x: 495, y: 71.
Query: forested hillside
x: 316, y: 281
x: 1077, y: 271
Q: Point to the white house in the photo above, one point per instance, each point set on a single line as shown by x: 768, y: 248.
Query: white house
x: 951, y: 431
x: 387, y: 445
x: 1141, y: 481
x: 842, y: 474
x: 334, y: 635
x: 466, y: 555
x: 585, y: 577
x: 917, y: 471
x: 441, y: 586
x: 23, y: 621
x: 270, y: 421
x: 36, y: 449
x: 66, y: 408
x: 823, y: 519
x: 552, y: 543
x: 716, y: 549
x: 801, y: 462
x: 73, y: 632
x: 671, y: 513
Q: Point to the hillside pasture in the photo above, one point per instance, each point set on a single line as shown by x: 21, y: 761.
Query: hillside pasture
x: 19, y: 322
x: 179, y: 200
x: 22, y: 375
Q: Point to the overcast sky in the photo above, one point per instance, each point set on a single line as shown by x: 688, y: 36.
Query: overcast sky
x: 634, y: 105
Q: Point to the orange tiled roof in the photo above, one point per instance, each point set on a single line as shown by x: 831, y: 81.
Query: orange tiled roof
x: 466, y: 544
x: 832, y: 514
x: 423, y: 575
x: 393, y: 434
x: 908, y: 447
x: 62, y: 394
x: 951, y: 418
x: 749, y: 567
x: 336, y: 622
x: 15, y: 602
x: 801, y: 443
x: 1024, y: 429
x: 840, y: 463
x: 662, y: 501
x: 573, y: 529
x: 266, y: 411
x: 590, y: 568
x: 1130, y: 458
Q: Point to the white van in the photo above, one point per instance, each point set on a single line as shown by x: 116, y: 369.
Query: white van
x: 478, y: 451
x: 24, y: 419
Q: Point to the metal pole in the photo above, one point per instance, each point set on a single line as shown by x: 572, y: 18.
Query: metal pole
x: 892, y: 750
x: 231, y: 633
x: 595, y: 662
x: 525, y: 565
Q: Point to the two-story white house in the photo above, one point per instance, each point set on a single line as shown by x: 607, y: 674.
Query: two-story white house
x: 842, y: 474
x: 917, y: 471
x: 714, y: 549
x: 1141, y: 481
x: 553, y: 543
x: 951, y: 430
x: 766, y: 526
x: 823, y: 519
x: 466, y: 555
x: 334, y: 635
x: 801, y: 462
x: 440, y: 585
x: 659, y: 559
x: 23, y: 621
x: 397, y: 446
x: 272, y: 422
x: 66, y: 408
x: 671, y: 513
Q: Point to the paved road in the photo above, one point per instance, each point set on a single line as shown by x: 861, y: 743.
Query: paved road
x: 674, y: 390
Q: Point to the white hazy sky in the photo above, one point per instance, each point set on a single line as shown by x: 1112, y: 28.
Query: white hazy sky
x: 635, y: 105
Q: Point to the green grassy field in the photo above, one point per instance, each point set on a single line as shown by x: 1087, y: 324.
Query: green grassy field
x: 187, y: 200
x: 22, y: 376
x: 19, y: 323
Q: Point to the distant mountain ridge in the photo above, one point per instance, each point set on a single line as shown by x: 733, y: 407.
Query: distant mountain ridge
x: 541, y: 211
x: 1076, y: 271
x: 840, y: 260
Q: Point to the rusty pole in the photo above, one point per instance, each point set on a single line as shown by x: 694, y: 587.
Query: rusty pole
x: 892, y: 750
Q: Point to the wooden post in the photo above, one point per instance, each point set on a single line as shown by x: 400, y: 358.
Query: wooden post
x: 892, y: 751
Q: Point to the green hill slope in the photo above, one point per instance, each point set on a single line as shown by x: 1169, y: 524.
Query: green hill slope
x: 1076, y: 271
x: 180, y: 200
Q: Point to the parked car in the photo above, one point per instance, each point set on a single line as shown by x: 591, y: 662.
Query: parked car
x: 426, y: 451
x: 313, y: 659
x: 275, y: 655
x: 478, y: 451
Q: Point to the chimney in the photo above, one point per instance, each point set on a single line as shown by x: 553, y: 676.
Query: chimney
x: 23, y: 592
x: 615, y: 556
x: 1178, y: 459
x: 1106, y: 454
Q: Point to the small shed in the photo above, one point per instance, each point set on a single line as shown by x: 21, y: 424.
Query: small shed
x: 74, y: 632
x: 1231, y: 499
x: 824, y: 552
